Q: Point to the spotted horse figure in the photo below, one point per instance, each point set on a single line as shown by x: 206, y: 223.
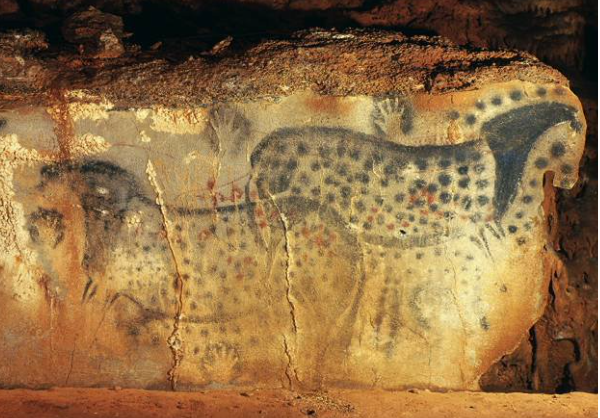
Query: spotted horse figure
x: 378, y: 238
x: 433, y: 222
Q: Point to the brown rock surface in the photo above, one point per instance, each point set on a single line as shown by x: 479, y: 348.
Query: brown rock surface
x: 285, y: 215
x: 105, y: 403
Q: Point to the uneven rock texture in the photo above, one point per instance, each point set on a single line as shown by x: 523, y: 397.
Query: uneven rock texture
x: 284, y: 216
x: 105, y: 403
x: 561, y: 351
x: 553, y: 30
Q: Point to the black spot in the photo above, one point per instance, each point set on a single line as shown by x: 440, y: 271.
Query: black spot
x: 432, y: 188
x: 296, y: 190
x: 463, y: 170
x: 566, y: 168
x: 421, y: 164
x: 345, y: 192
x: 467, y: 201
x: 541, y: 91
x: 453, y: 115
x: 367, y: 225
x: 541, y: 163
x: 399, y: 197
x: 476, y: 156
x: 512, y: 229
x: 516, y: 95
x: 496, y: 100
x: 445, y: 163
x: 527, y: 199
x: 302, y: 149
x: 315, y: 166
x: 360, y: 206
x: 419, y: 203
x: 389, y: 169
x: 483, y: 322
x: 342, y: 170
x: 355, y: 154
x: 471, y: 119
x: 519, y: 215
x: 419, y: 184
x: 445, y: 197
x: 533, y: 183
x: 378, y: 200
x: 341, y: 150
x: 324, y: 152
x: 363, y: 177
x: 464, y: 183
x: 558, y: 149
x: 480, y: 105
x: 444, y: 179
x: 315, y: 191
x: 433, y: 207
x: 483, y: 200
x: 419, y: 256
x: 482, y: 184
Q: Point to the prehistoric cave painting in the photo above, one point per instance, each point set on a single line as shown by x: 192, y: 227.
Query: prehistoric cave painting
x: 236, y: 289
x: 400, y: 196
x: 379, y: 242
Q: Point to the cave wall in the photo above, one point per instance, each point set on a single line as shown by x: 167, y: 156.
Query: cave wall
x: 559, y: 353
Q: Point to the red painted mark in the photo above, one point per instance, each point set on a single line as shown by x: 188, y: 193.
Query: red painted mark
x: 236, y: 193
x: 229, y: 260
x: 259, y: 211
x: 204, y: 234
x: 405, y: 224
x: 370, y: 219
x: 274, y: 215
x: 210, y: 184
x: 430, y: 199
x: 424, y: 212
x: 248, y: 260
x: 374, y: 209
x: 262, y: 224
x: 305, y: 232
x: 390, y: 226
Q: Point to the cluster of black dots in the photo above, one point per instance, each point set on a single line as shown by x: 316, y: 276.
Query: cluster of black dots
x: 522, y: 221
x: 383, y: 191
x: 496, y: 101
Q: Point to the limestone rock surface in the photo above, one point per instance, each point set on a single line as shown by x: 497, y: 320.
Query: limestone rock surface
x: 338, y: 210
